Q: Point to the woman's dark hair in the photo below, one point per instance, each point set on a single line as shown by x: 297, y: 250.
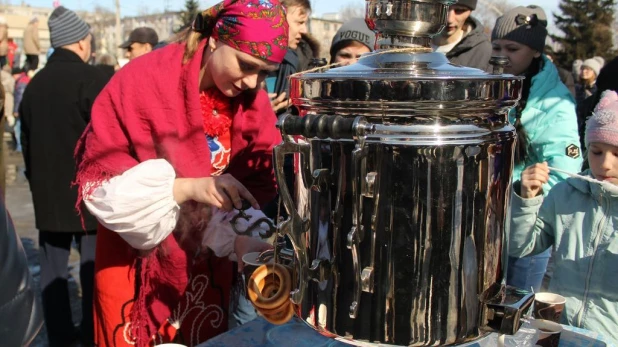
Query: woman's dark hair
x: 521, y: 151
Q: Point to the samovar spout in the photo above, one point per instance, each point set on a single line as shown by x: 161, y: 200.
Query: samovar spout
x: 503, y: 308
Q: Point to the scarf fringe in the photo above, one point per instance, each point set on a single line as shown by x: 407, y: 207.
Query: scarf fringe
x: 89, y: 178
x: 140, y: 329
x: 90, y: 173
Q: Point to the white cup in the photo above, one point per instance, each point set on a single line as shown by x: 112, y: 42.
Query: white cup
x: 549, y: 332
x: 548, y: 306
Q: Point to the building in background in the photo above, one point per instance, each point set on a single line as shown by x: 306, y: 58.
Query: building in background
x: 17, y: 18
x: 102, y: 22
x: 324, y: 29
x: 104, y: 27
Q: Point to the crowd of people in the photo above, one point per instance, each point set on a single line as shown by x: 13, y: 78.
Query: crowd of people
x: 143, y: 166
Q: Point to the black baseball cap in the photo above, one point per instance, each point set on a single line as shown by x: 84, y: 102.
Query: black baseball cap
x: 141, y: 35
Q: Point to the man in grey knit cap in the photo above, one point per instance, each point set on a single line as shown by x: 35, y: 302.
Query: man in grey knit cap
x: 55, y: 110
x: 464, y: 40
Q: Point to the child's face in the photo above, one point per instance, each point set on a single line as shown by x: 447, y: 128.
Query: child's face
x: 520, y: 56
x: 603, y: 159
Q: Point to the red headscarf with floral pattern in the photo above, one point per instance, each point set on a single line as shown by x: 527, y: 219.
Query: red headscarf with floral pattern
x: 255, y: 27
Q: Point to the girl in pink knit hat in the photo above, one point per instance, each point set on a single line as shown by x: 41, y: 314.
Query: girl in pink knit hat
x: 602, y: 139
x: 579, y: 219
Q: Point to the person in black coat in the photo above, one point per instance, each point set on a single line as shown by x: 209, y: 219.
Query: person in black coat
x: 55, y: 110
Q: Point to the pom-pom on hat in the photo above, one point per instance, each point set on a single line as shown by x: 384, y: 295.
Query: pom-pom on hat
x: 603, y: 125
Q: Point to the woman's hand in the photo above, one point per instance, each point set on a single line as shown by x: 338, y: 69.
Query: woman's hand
x: 532, y: 180
x: 223, y: 192
x: 245, y: 244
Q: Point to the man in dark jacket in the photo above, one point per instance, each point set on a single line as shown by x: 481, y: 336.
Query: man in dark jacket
x: 464, y: 40
x: 297, y: 16
x: 308, y: 51
x: 55, y: 110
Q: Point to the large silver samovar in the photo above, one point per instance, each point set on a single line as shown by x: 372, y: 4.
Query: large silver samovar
x: 404, y: 172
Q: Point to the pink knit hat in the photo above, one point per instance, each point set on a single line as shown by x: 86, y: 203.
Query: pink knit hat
x: 603, y: 125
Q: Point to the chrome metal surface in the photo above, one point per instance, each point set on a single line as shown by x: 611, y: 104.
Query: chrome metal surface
x: 294, y: 227
x: 423, y: 248
x: 399, y: 19
x: 404, y: 85
x: 403, y: 184
x: 284, y: 255
x: 499, y: 63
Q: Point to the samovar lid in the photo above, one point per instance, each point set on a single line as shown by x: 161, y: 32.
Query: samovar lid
x: 404, y: 77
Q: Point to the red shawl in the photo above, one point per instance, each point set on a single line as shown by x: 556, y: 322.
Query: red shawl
x: 151, y: 109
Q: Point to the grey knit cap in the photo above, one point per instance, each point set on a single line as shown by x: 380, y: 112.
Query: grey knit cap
x: 65, y: 27
x: 471, y: 4
x: 526, y: 25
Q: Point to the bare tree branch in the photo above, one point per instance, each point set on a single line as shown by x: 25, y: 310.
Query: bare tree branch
x: 487, y: 11
x: 352, y: 10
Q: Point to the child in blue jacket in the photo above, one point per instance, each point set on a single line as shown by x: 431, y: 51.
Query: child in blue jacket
x: 579, y: 219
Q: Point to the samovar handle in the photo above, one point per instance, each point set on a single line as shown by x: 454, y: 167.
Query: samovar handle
x: 356, y: 234
x: 320, y: 126
x: 295, y: 226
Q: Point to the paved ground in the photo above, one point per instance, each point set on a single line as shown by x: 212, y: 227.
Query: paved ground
x: 19, y: 204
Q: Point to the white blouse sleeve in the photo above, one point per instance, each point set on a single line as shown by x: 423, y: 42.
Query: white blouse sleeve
x: 139, y: 204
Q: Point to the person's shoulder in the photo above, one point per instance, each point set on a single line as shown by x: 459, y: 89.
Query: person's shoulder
x: 477, y: 31
x: 96, y: 76
x: 91, y: 70
x: 570, y: 192
x: 559, y: 100
x: 552, y: 93
x: 76, y: 71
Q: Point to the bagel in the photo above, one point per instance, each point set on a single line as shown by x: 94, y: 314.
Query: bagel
x: 283, y: 317
x: 269, y: 291
x: 257, y: 283
x: 275, y: 311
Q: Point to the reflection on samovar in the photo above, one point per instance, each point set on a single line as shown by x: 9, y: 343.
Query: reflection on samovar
x: 405, y: 164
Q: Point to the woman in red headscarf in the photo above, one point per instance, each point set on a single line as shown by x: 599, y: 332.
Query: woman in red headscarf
x: 177, y: 136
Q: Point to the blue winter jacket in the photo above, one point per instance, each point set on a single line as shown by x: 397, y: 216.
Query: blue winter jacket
x: 550, y: 120
x: 579, y: 220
